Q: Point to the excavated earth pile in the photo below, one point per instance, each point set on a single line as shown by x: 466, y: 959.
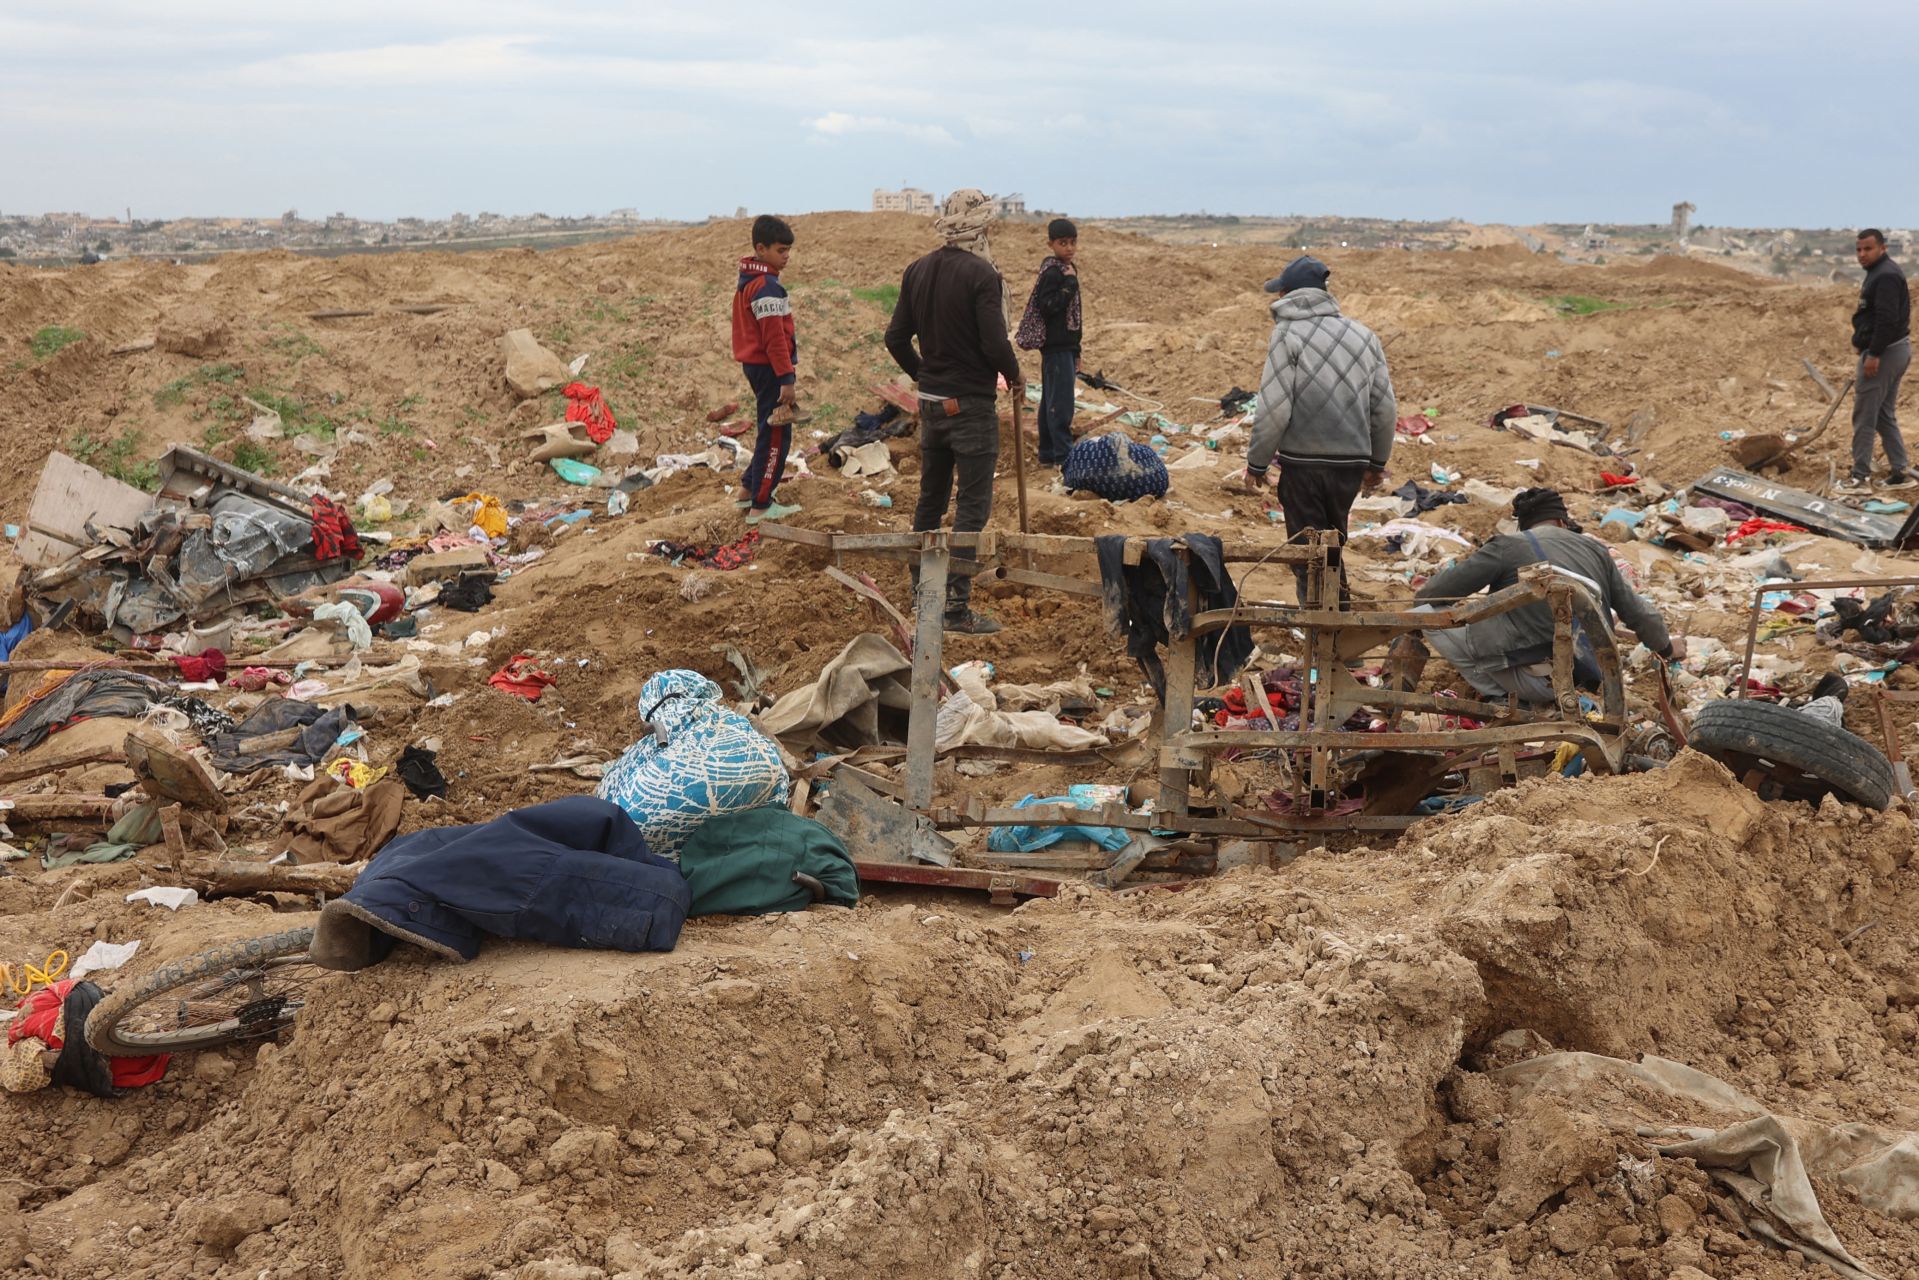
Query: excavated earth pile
x: 1277, y: 1073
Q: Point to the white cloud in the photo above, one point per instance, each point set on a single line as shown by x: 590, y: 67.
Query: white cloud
x: 839, y: 123
x: 464, y: 58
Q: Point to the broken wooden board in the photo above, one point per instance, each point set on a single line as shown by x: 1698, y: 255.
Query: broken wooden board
x: 1821, y: 515
x: 170, y: 774
x: 876, y: 829
x: 1001, y: 887
x: 70, y: 496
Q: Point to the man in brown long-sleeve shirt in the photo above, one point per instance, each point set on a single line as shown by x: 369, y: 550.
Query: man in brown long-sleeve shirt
x: 953, y: 301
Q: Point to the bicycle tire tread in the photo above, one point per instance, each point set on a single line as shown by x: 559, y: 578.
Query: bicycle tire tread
x: 106, y: 1015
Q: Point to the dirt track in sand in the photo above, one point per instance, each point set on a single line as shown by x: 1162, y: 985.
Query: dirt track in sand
x: 1279, y: 1073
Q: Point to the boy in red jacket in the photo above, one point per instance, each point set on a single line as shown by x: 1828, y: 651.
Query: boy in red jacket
x: 763, y: 344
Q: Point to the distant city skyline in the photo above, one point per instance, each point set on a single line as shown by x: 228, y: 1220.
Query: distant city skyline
x: 1502, y: 111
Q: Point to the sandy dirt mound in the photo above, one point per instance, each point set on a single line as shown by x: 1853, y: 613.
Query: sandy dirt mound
x: 1277, y: 1073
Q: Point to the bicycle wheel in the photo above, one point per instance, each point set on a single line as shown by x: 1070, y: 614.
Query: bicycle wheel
x: 242, y: 991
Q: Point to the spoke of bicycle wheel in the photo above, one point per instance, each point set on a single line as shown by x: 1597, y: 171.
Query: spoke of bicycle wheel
x: 221, y: 1000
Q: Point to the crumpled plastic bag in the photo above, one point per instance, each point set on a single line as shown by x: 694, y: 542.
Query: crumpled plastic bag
x: 1030, y: 839
x: 102, y: 956
x: 358, y: 633
x: 165, y: 896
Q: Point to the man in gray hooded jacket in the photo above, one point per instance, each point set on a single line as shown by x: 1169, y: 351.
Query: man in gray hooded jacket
x: 1326, y: 408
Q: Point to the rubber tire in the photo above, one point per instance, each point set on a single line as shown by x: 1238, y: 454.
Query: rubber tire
x: 104, y: 1021
x: 1767, y: 731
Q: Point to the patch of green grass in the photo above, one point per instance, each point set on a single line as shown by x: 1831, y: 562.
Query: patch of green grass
x: 394, y: 425
x: 625, y: 367
x: 296, y: 346
x: 600, y: 311
x: 52, y: 338
x: 887, y: 295
x: 114, y: 455
x: 175, y: 392
x: 297, y: 417
x: 256, y: 458
x: 215, y: 435
x: 560, y: 335
x: 1583, y: 304
x: 228, y: 408
x: 409, y: 403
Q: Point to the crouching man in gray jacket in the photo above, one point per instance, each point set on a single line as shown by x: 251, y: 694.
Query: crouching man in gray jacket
x: 1326, y: 408
x: 1511, y: 654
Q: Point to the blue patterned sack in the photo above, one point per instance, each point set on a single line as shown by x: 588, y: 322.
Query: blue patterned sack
x: 701, y: 760
x: 1116, y: 467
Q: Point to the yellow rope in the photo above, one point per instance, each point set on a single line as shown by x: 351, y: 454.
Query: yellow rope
x: 33, y: 975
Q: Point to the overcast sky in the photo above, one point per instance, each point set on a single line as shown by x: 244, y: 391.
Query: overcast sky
x: 1766, y: 112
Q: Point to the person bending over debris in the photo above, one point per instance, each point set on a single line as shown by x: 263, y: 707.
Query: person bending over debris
x: 1511, y: 654
x: 694, y: 761
x: 1326, y: 408
x: 765, y: 346
x: 1881, y: 334
x: 954, y: 302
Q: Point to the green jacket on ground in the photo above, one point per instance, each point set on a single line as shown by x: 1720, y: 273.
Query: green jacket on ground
x: 745, y: 864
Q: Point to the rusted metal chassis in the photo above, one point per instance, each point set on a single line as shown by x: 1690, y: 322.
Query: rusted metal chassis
x: 1334, y: 636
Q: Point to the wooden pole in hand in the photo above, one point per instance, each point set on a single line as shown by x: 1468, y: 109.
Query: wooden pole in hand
x: 1019, y: 456
x: 1019, y: 465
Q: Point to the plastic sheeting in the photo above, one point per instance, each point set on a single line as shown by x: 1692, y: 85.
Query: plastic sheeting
x: 1030, y: 839
x: 1767, y: 1159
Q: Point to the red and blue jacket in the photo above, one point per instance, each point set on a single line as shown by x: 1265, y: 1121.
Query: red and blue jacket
x: 763, y: 320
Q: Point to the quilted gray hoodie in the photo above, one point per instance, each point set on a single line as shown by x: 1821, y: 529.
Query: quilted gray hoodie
x: 1325, y: 396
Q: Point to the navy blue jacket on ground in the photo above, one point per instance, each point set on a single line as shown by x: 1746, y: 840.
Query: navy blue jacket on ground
x: 571, y: 873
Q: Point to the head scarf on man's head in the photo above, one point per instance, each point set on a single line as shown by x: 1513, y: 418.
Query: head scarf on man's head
x: 1534, y: 506
x: 671, y: 700
x: 964, y: 221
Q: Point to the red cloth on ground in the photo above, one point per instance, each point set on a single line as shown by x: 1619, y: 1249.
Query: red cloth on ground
x: 732, y: 555
x: 1239, y: 708
x: 333, y: 533
x: 586, y: 404
x: 1751, y: 527
x: 522, y: 678
x: 211, y: 665
x: 40, y: 1010
x: 1615, y: 481
x: 1416, y: 424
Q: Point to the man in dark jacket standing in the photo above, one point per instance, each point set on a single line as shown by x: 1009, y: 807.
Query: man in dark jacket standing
x: 954, y: 302
x: 1881, y: 327
x: 1326, y: 408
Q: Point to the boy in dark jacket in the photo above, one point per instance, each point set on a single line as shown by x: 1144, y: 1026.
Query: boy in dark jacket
x: 1052, y: 324
x: 764, y: 344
